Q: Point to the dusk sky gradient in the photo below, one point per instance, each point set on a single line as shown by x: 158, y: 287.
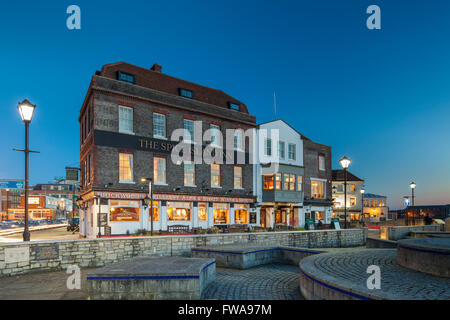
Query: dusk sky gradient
x: 380, y: 97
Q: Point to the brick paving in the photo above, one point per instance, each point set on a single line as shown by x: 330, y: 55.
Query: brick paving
x: 348, y: 269
x: 268, y: 282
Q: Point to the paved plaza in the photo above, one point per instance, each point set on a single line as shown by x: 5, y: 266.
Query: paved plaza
x: 348, y: 269
x: 272, y: 282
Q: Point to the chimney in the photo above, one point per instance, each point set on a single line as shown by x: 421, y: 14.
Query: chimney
x: 156, y: 67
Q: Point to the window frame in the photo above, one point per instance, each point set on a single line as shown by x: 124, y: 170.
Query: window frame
x: 155, y: 171
x: 122, y: 130
x: 240, y: 186
x: 289, y: 151
x: 191, y: 165
x: 130, y: 159
x: 155, y: 116
x: 281, y: 154
x: 218, y: 175
x: 181, y: 90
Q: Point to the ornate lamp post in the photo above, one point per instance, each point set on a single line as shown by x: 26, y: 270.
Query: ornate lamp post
x: 345, y: 162
x: 362, y: 202
x: 26, y: 110
x: 149, y: 198
x: 413, y: 186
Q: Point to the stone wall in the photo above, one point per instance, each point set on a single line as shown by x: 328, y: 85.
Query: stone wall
x: 397, y: 233
x: 20, y: 258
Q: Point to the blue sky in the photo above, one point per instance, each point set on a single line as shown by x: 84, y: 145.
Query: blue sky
x: 380, y: 97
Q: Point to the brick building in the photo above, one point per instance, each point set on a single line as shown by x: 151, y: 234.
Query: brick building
x: 127, y: 122
x: 318, y: 203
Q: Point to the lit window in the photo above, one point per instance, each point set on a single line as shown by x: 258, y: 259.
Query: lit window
x: 281, y: 149
x: 352, y: 187
x: 189, y: 174
x: 291, y: 151
x: 278, y: 181
x: 268, y: 182
x: 179, y: 211
x: 241, y: 213
x: 155, y: 211
x: 159, y: 125
x: 235, y: 106
x: 237, y: 177
x: 215, y: 175
x: 159, y: 170
x: 352, y: 202
x: 322, y: 162
x: 268, y: 147
x: 203, y: 212
x: 292, y: 182
x: 317, y: 189
x: 299, y: 183
x: 186, y: 93
x: 285, y: 182
x: 125, y: 119
x: 126, y: 77
x: 125, y: 167
x: 188, y: 130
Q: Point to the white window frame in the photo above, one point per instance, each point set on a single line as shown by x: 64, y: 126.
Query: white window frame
x: 125, y: 130
x: 237, y: 139
x: 289, y: 151
x: 130, y: 157
x: 155, y: 171
x: 267, y: 147
x: 238, y: 177
x: 281, y: 151
x: 155, y: 116
x: 186, y: 165
x: 322, y: 157
x: 191, y: 140
x: 212, y: 185
x: 215, y: 135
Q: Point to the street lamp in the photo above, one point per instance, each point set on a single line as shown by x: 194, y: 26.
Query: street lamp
x: 362, y: 202
x: 149, y: 198
x: 26, y: 110
x: 413, y: 186
x: 345, y: 162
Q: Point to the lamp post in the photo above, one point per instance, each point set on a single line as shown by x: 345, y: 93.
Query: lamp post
x: 362, y: 202
x: 148, y: 198
x: 345, y: 162
x: 413, y: 186
x: 26, y: 110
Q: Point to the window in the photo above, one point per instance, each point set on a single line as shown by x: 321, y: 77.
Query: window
x: 352, y: 187
x: 291, y: 151
x: 155, y: 211
x: 215, y: 175
x: 125, y: 167
x: 268, y: 147
x: 203, y: 212
x: 299, y: 183
x: 317, y: 189
x: 241, y: 213
x: 125, y: 119
x: 286, y: 182
x: 268, y: 182
x: 215, y: 134
x: 237, y: 139
x: 220, y: 213
x: 186, y: 93
x: 319, y: 215
x: 278, y: 181
x: 292, y: 182
x: 281, y: 149
x: 126, y: 77
x: 159, y: 170
x: 159, y: 125
x: 352, y: 202
x: 237, y: 177
x: 179, y: 211
x: 340, y: 188
x: 188, y: 130
x: 123, y: 211
x: 322, y: 162
x: 189, y: 174
x: 235, y: 106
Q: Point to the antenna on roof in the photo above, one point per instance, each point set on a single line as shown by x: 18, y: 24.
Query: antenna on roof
x: 275, y: 104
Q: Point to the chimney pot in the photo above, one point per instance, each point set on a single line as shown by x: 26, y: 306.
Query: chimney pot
x: 157, y: 68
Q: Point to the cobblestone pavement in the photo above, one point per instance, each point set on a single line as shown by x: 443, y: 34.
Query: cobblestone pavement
x: 268, y: 282
x: 349, y: 269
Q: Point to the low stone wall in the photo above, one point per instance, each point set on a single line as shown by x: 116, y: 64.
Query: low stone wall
x: 397, y: 233
x: 380, y: 243
x: 20, y: 258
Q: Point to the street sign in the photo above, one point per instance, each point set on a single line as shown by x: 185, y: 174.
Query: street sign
x: 11, y: 184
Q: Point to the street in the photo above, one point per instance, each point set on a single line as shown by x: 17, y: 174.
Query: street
x: 50, y: 234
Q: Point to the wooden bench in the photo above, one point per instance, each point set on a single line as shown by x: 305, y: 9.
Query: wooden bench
x: 178, y: 229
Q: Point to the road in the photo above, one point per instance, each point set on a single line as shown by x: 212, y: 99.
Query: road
x: 50, y: 234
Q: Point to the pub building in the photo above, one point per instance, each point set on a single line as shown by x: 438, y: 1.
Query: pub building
x: 126, y: 125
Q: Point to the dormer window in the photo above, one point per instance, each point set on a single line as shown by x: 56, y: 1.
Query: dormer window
x: 126, y: 77
x: 186, y: 93
x: 234, y: 106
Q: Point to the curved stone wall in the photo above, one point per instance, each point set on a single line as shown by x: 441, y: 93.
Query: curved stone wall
x: 430, y: 255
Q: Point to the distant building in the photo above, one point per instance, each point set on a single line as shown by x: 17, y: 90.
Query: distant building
x: 375, y: 208
x: 41, y: 207
x: 354, y: 196
x: 420, y: 212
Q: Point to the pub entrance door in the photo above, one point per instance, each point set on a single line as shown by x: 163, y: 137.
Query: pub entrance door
x: 262, y: 216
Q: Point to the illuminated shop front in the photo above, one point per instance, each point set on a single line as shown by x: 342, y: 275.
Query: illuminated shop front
x: 203, y: 211
x: 179, y: 211
x: 124, y: 210
x: 241, y: 213
x: 221, y: 213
